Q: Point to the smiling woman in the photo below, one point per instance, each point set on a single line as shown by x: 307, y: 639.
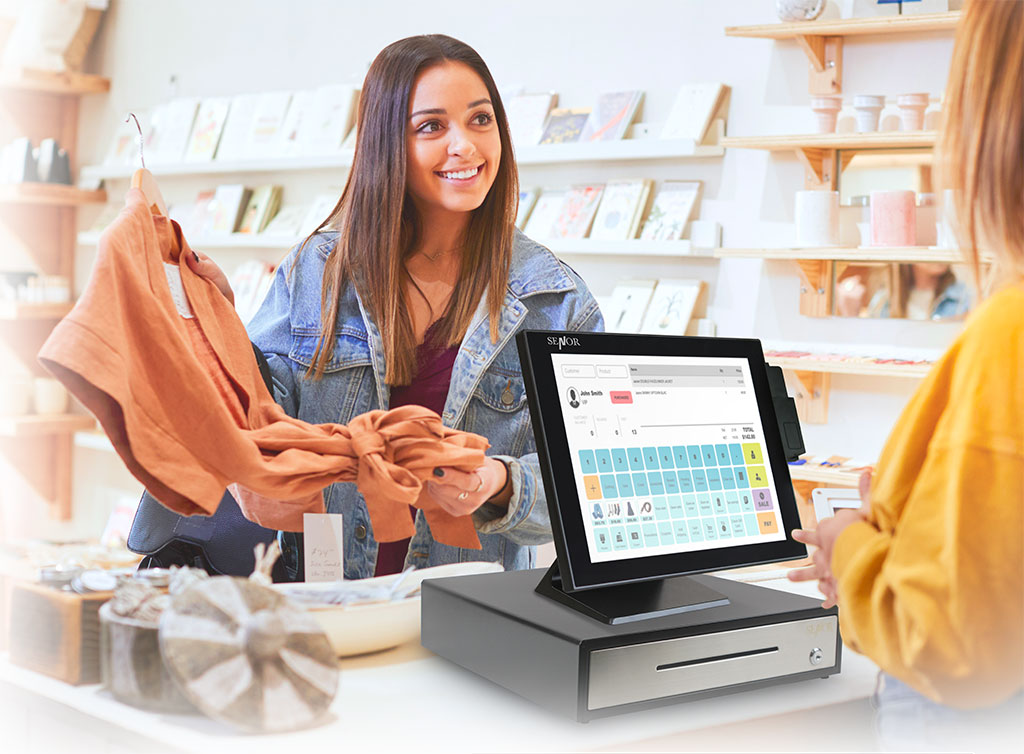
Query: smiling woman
x: 410, y: 292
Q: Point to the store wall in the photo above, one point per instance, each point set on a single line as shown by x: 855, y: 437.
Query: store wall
x: 579, y: 49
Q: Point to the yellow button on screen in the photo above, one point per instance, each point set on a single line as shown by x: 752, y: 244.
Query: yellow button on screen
x: 752, y: 453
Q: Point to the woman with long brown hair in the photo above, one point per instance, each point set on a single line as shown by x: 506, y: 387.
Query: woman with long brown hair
x: 411, y: 292
x: 929, y: 574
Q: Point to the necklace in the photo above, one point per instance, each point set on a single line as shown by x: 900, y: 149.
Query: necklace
x: 437, y: 255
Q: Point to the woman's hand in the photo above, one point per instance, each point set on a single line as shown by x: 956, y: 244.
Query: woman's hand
x: 205, y: 267
x: 460, y: 492
x: 824, y: 539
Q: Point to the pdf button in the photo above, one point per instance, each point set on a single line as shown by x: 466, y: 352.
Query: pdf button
x: 621, y: 396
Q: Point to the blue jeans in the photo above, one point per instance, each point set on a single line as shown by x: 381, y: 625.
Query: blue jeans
x: 906, y: 720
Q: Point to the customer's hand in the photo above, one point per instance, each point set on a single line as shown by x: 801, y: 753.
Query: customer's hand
x: 460, y: 492
x: 823, y: 538
x: 205, y: 267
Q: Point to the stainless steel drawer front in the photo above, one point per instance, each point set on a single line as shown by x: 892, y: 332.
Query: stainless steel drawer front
x: 693, y: 663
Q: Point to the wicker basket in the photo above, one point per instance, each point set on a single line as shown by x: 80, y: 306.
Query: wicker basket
x: 132, y: 668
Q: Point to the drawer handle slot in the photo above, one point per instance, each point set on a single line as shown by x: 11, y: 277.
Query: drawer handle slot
x: 716, y: 658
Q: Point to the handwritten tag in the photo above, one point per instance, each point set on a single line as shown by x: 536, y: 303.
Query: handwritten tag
x: 173, y: 275
x: 322, y: 540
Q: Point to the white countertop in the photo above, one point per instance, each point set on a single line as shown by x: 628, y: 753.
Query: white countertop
x: 409, y: 700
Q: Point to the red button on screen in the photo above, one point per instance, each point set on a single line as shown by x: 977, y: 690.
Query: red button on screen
x: 621, y: 396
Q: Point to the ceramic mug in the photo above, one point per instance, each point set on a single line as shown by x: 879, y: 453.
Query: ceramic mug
x: 50, y: 397
x: 15, y: 395
x: 892, y: 218
x: 817, y: 218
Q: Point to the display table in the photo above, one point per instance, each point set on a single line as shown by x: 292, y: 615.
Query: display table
x: 409, y: 700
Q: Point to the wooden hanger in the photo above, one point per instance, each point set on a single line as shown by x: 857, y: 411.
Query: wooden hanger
x: 143, y: 180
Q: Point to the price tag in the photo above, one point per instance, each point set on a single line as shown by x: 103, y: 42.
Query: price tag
x: 322, y: 541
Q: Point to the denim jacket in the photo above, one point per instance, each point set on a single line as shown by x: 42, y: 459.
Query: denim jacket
x: 486, y: 396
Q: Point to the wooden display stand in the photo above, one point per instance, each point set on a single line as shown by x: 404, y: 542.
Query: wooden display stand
x: 56, y: 632
x: 38, y: 224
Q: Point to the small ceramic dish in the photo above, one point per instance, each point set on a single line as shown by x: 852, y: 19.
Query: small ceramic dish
x: 364, y: 627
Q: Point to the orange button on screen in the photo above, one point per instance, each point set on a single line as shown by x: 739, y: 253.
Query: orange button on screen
x: 767, y: 523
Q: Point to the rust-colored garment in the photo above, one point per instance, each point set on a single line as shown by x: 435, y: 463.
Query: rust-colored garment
x: 162, y: 360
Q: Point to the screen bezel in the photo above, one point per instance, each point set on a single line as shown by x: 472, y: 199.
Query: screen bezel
x: 578, y: 572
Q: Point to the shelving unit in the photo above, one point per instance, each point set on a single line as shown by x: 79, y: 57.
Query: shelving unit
x: 806, y: 477
x: 582, y: 246
x: 851, y: 254
x: 545, y: 154
x: 816, y: 265
x: 814, y: 379
x: 17, y: 311
x: 625, y: 149
x: 44, y: 425
x: 340, y: 161
x: 226, y: 241
x: 61, y: 83
x: 914, y: 370
x: 825, y: 155
x: 849, y: 27
x: 633, y: 248
x: 38, y: 224
x: 822, y: 41
x: 823, y: 475
x: 49, y: 194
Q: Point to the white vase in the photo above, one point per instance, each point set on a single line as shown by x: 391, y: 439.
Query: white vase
x: 826, y: 107
x: 799, y: 10
x: 912, y: 107
x: 868, y: 108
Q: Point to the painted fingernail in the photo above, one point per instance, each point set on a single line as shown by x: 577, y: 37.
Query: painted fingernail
x: 438, y: 471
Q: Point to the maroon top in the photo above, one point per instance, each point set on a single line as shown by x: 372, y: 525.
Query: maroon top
x: 429, y: 389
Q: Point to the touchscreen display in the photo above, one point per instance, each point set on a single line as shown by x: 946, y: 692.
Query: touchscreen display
x: 668, y: 454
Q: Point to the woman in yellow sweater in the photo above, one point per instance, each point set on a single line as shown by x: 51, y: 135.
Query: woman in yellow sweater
x: 929, y: 575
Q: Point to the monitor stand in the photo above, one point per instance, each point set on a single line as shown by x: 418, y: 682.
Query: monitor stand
x: 628, y: 603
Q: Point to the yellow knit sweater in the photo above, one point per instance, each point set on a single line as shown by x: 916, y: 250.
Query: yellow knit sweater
x: 932, y: 587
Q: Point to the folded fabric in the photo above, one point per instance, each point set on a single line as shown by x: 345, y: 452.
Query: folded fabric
x: 160, y: 357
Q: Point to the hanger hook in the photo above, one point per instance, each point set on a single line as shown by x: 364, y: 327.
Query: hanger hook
x: 131, y: 116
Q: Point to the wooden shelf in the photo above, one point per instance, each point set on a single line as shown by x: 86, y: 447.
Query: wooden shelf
x: 13, y: 311
x: 853, y: 254
x: 825, y: 155
x: 838, y: 141
x: 44, y: 424
x: 822, y: 41
x: 849, y: 27
x: 813, y: 472
x: 226, y: 241
x: 49, y: 194
x: 67, y: 83
x: 338, y: 161
x: 866, y: 368
x: 94, y: 439
x: 547, y: 154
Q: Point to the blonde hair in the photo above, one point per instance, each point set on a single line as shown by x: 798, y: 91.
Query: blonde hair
x: 981, y: 149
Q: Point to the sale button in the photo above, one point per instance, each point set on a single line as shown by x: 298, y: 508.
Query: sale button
x: 621, y: 396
